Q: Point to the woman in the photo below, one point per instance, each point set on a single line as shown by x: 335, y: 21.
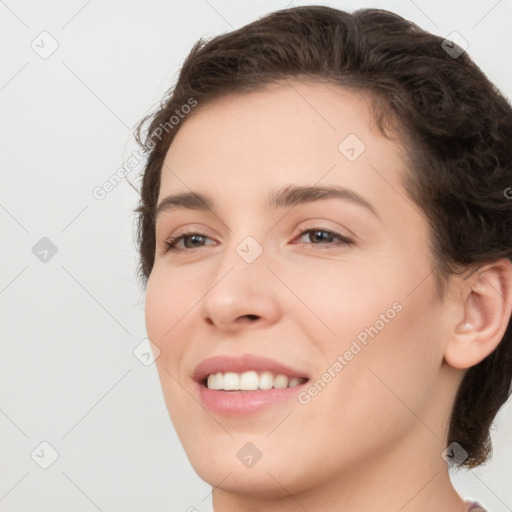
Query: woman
x: 325, y: 235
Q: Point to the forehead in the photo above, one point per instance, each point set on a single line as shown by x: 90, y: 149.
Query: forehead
x: 292, y: 132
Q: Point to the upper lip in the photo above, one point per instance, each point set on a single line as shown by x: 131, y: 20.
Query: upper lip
x: 243, y: 363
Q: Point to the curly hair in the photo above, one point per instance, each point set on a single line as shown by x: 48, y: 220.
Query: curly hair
x: 457, y: 125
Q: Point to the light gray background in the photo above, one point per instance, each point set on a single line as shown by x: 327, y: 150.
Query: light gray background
x: 69, y: 325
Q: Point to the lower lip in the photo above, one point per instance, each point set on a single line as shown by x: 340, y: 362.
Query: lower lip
x: 243, y: 403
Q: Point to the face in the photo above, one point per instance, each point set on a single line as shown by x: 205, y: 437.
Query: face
x: 335, y: 286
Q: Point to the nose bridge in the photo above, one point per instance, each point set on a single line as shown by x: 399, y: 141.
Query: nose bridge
x: 241, y: 285
x: 244, y: 249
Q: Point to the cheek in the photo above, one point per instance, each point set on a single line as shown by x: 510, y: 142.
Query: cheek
x: 386, y: 329
x: 379, y: 395
x: 156, y: 307
x: 171, y: 314
x: 395, y: 360
x: 166, y: 308
x: 166, y: 305
x: 338, y: 300
x: 166, y: 315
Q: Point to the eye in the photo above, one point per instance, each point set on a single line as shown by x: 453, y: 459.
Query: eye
x: 325, y: 237
x: 317, y: 236
x: 193, y: 237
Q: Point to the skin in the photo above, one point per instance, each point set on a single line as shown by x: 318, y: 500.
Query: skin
x: 372, y: 439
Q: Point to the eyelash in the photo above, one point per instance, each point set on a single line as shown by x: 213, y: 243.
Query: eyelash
x: 172, y: 242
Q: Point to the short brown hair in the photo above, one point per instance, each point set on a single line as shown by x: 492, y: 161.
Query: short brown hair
x: 458, y: 125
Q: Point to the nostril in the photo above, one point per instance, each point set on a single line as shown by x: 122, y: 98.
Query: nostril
x: 252, y: 317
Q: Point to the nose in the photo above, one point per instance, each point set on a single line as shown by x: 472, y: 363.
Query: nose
x: 242, y: 295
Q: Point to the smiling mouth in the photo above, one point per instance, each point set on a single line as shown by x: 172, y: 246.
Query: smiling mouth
x: 251, y: 380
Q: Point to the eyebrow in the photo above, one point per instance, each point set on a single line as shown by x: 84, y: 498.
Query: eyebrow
x: 288, y: 196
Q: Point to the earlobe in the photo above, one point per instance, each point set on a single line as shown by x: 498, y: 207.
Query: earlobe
x: 487, y: 304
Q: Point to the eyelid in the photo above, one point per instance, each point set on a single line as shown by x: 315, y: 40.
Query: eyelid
x: 179, y: 235
x: 344, y: 239
x: 185, y: 229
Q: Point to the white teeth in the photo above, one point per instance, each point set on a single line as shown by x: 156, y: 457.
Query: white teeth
x: 219, y: 381
x: 294, y: 381
x: 231, y: 381
x: 266, y: 380
x: 250, y: 381
x: 281, y: 381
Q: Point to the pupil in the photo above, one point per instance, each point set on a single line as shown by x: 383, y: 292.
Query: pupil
x: 195, y: 238
x: 323, y: 235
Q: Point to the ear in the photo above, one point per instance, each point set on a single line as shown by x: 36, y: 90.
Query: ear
x: 486, y: 303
